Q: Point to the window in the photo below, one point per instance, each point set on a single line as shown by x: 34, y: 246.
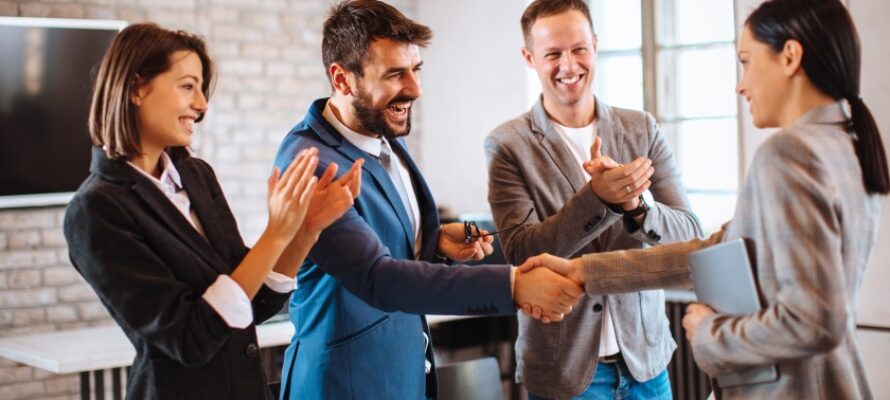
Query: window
x: 681, y: 67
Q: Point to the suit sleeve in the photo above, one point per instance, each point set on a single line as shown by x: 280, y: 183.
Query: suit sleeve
x: 580, y: 220
x: 810, y: 314
x: 670, y: 219
x: 659, y: 267
x: 138, y: 288
x: 369, y: 272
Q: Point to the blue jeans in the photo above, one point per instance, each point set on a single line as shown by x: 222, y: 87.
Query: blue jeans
x: 614, y: 382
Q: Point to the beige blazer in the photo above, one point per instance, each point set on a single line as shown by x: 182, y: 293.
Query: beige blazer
x: 813, y: 227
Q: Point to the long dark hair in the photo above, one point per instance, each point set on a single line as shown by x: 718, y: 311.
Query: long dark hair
x: 832, y: 61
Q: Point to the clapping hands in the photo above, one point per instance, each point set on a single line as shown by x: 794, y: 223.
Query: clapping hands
x: 614, y: 183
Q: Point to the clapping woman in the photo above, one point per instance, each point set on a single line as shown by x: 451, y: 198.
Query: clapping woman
x: 150, y: 229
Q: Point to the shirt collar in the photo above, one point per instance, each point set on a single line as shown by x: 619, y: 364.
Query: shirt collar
x: 169, y: 176
x: 367, y: 144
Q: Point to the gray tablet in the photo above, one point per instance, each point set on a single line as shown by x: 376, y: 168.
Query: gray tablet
x: 723, y: 280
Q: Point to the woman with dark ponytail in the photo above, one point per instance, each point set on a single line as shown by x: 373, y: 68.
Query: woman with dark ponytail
x: 808, y: 211
x: 832, y: 61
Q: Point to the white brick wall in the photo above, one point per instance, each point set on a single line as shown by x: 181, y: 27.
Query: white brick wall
x: 268, y: 56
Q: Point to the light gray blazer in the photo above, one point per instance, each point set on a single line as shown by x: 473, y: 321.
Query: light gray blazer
x: 813, y: 227
x: 530, y: 166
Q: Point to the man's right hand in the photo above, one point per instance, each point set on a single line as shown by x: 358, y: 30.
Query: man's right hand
x: 571, y: 269
x: 614, y: 183
x: 553, y: 293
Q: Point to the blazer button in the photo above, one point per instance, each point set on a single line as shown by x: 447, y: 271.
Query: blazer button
x: 252, y: 350
x: 597, y: 307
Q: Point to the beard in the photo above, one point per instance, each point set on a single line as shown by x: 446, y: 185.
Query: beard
x: 373, y: 119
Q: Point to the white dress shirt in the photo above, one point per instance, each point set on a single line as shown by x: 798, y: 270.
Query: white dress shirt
x: 225, y: 296
x: 579, y: 141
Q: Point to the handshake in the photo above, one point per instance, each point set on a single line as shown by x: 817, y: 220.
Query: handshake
x: 547, y: 287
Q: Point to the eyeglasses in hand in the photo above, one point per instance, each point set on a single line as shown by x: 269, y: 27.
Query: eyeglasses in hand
x: 472, y: 231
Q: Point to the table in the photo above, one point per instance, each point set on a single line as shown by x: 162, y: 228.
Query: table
x: 91, y: 351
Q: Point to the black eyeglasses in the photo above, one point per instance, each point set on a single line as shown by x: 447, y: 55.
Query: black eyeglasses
x: 472, y: 231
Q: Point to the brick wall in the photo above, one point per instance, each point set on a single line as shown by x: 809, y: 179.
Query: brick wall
x: 269, y: 67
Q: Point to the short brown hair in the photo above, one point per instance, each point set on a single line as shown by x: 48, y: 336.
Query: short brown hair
x: 353, y: 24
x: 138, y: 53
x: 545, y: 8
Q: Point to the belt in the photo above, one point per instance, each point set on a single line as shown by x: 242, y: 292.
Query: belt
x: 611, y: 358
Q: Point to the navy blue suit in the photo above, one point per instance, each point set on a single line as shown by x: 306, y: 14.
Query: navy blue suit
x: 358, y: 310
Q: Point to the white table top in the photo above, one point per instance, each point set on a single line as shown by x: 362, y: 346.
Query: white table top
x: 107, y: 347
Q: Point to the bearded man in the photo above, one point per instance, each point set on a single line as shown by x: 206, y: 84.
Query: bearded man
x: 358, y: 309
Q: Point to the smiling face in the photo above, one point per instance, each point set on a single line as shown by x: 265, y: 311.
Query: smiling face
x: 384, y: 95
x: 562, y: 50
x: 170, y: 103
x: 764, y: 83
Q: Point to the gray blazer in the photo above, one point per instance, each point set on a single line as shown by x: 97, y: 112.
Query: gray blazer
x: 530, y: 166
x: 813, y: 227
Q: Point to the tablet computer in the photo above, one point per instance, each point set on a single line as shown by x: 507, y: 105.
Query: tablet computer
x: 724, y: 280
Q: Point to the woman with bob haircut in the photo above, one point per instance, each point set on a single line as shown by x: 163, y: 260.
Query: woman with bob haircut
x: 808, y: 211
x: 151, y: 232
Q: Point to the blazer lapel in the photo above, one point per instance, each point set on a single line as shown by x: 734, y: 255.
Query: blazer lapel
x: 176, y: 222
x: 372, y: 166
x: 611, y: 133
x: 429, y: 215
x: 556, y: 147
x: 156, y: 203
x: 202, y: 204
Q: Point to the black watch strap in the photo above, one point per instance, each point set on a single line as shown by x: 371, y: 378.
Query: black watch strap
x: 641, y: 209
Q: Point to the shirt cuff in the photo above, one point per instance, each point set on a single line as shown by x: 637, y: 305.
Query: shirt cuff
x: 280, y: 283
x: 512, y: 280
x: 230, y: 302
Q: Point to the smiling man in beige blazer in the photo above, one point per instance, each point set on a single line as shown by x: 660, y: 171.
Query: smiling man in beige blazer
x: 535, y: 162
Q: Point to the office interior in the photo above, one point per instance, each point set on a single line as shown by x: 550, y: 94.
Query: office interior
x: 673, y: 58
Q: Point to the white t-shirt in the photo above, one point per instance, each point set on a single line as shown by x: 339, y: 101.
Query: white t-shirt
x: 579, y: 141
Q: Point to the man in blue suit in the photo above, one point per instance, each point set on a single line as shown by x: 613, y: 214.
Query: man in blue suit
x: 358, y: 309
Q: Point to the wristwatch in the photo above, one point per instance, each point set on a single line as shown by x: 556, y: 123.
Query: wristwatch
x: 641, y: 209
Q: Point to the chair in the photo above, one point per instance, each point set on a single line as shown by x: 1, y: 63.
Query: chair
x: 470, y: 380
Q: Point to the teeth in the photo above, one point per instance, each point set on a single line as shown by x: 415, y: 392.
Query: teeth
x: 569, y: 81
x: 400, y: 107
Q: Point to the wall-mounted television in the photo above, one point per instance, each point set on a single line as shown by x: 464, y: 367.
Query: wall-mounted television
x: 47, y: 70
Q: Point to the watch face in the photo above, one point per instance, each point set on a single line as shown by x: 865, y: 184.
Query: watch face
x: 641, y: 208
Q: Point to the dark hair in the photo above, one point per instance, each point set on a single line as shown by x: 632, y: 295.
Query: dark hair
x: 353, y: 24
x: 545, y: 8
x: 138, y: 54
x: 832, y: 60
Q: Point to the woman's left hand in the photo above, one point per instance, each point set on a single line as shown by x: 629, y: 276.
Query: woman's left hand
x: 695, y: 312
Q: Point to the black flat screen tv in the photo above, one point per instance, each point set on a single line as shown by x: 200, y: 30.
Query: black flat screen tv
x: 47, y: 70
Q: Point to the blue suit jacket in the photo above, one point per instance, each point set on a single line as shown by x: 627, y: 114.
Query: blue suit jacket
x: 358, y: 310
